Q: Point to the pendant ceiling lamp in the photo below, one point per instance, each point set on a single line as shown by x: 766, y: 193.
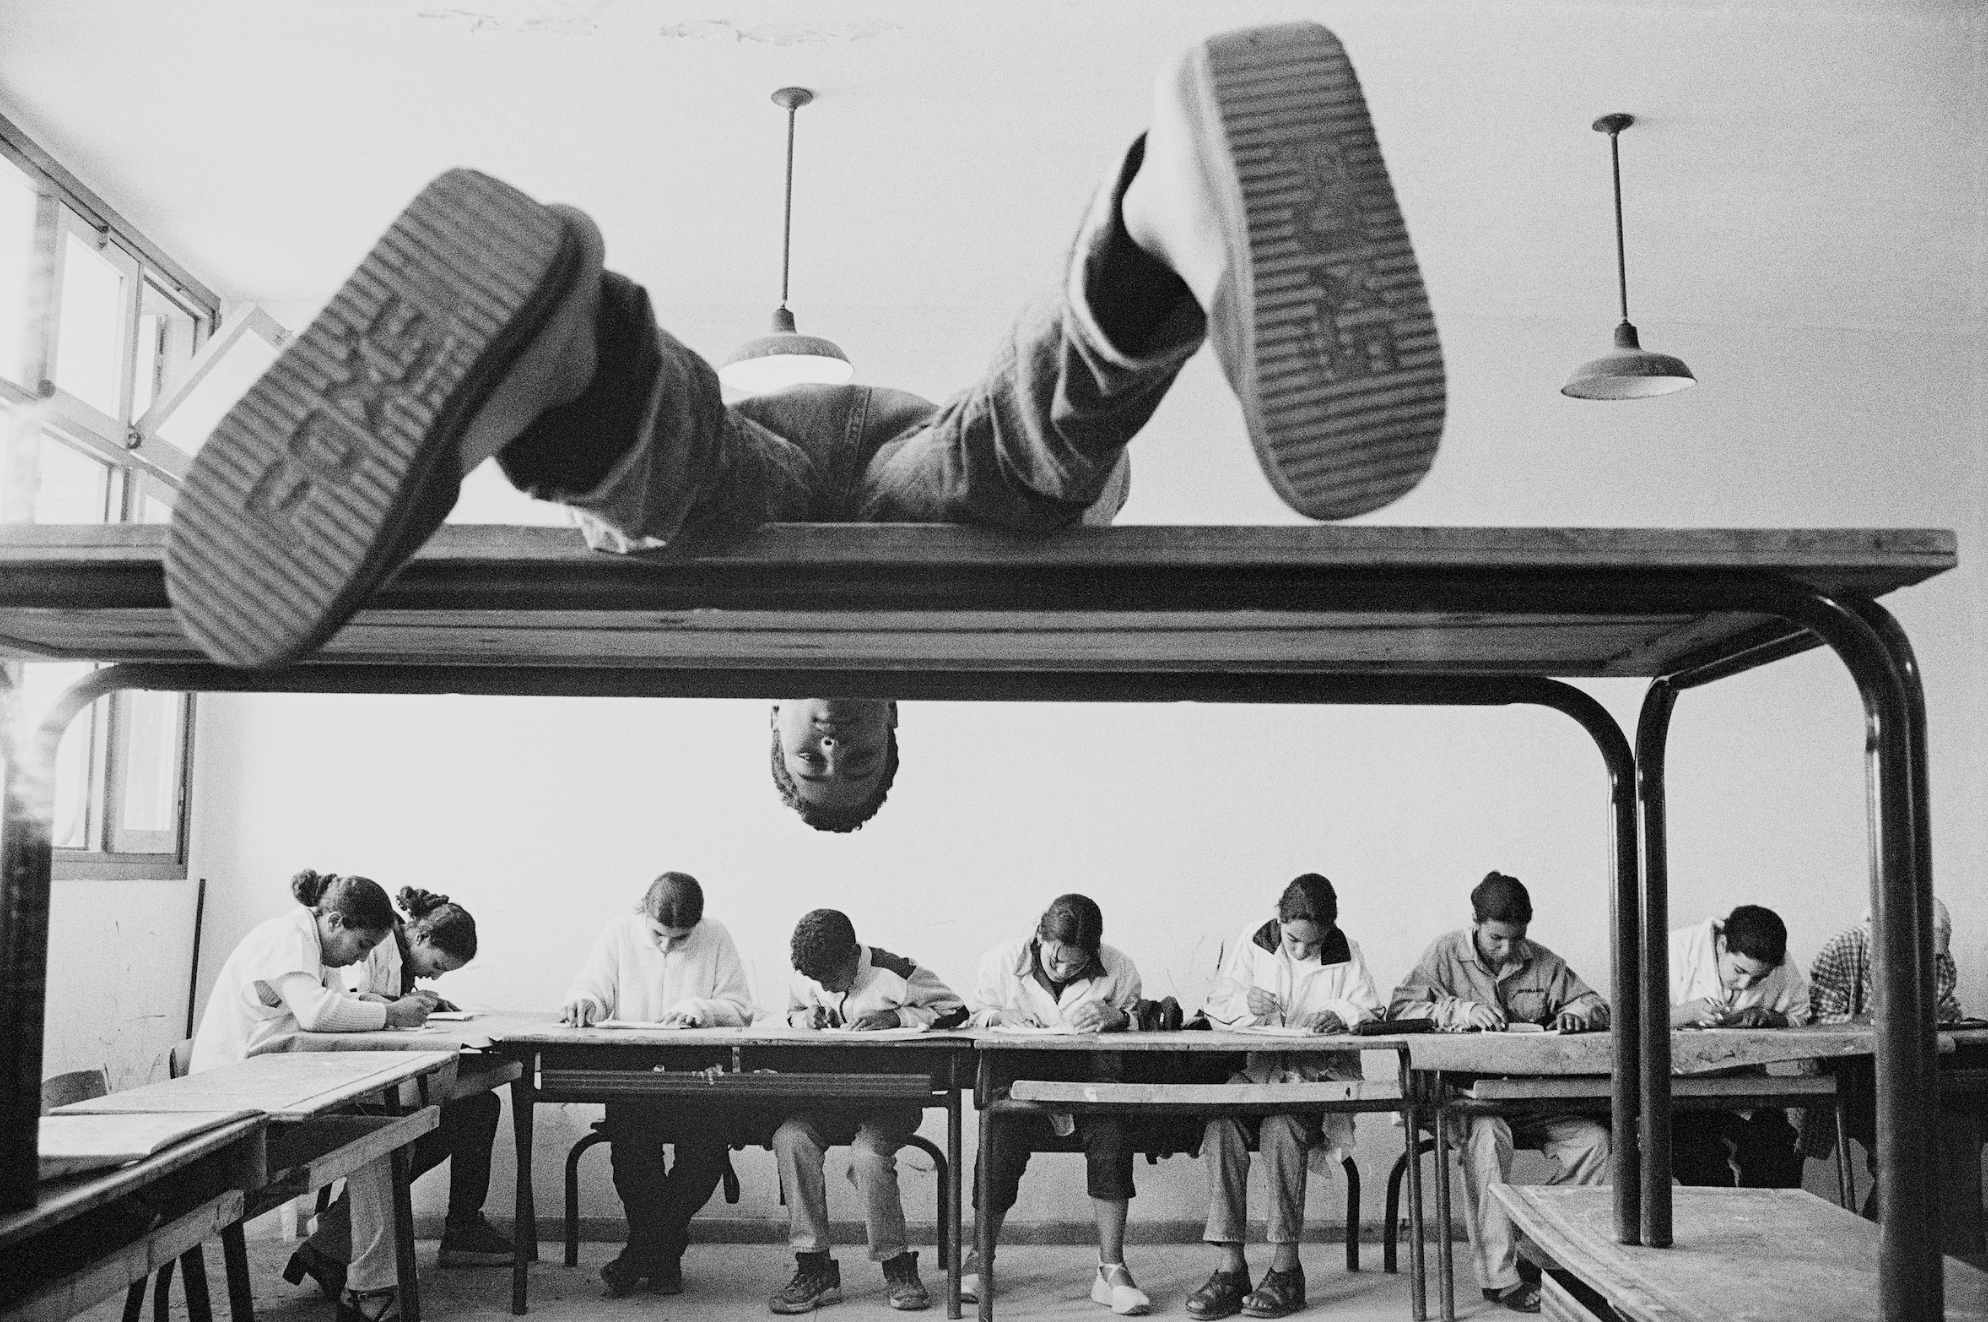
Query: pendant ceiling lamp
x: 1628, y: 371
x: 785, y: 358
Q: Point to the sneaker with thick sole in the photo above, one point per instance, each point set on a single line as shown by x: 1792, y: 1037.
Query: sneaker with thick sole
x: 1274, y: 182
x: 969, y: 1279
x: 343, y: 456
x: 817, y: 1281
x: 475, y: 1243
x: 902, y: 1288
x: 1114, y: 1287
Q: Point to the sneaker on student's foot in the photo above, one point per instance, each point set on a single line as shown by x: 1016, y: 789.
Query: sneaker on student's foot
x: 1114, y: 1287
x: 472, y: 314
x: 1263, y: 188
x: 474, y: 1243
x: 817, y: 1281
x: 902, y: 1288
x: 622, y: 1274
x: 969, y: 1279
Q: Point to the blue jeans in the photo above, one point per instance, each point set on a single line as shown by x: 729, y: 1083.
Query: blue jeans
x: 650, y: 454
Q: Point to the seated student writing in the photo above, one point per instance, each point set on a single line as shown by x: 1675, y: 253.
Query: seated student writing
x: 437, y: 937
x: 484, y: 324
x: 1487, y: 976
x: 1841, y: 992
x: 1298, y: 971
x: 667, y: 964
x: 277, y: 982
x: 1063, y: 975
x: 1733, y: 972
x: 839, y: 983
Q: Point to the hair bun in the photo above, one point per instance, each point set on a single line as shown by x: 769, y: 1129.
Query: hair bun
x: 418, y: 903
x: 309, y: 886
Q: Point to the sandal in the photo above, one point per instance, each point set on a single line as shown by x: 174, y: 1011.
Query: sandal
x: 1520, y: 1298
x: 308, y: 1261
x: 369, y: 1305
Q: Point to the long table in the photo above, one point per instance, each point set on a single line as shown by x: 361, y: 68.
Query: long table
x: 1006, y: 1058
x: 725, y: 1073
x: 303, y: 1101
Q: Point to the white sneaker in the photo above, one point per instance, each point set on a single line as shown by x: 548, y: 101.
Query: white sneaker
x: 1114, y: 1288
x: 969, y: 1279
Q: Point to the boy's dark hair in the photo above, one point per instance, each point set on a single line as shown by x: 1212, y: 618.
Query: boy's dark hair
x: 1500, y: 899
x: 1757, y: 933
x: 358, y: 901
x: 1073, y: 920
x: 674, y: 900
x: 1311, y: 897
x: 447, y: 927
x: 824, y: 940
x: 835, y: 819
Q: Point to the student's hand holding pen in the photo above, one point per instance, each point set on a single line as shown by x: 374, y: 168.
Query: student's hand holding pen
x: 1262, y: 1004
x: 1701, y: 1013
x: 581, y: 1012
x: 1097, y: 1017
x: 1754, y: 1016
x: 410, y: 1011
x: 1016, y: 1018
x: 875, y: 1021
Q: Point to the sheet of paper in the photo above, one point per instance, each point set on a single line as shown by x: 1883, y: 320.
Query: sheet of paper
x: 1035, y: 1030
x: 648, y: 1025
x: 453, y: 1014
x: 1275, y: 1030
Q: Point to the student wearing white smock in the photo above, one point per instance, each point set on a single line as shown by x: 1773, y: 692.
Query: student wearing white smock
x: 1064, y: 976
x: 664, y: 964
x: 1296, y: 971
x: 275, y: 983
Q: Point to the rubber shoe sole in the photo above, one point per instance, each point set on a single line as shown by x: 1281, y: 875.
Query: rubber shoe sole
x: 1327, y: 337
x: 342, y: 457
x: 832, y: 1295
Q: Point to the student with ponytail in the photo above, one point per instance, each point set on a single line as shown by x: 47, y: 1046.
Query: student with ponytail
x: 438, y: 937
x: 277, y: 982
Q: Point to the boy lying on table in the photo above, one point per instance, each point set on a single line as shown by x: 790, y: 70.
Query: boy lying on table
x: 1487, y: 976
x: 841, y: 984
x: 1840, y: 992
x: 1734, y: 973
x: 1256, y: 214
x: 1299, y: 971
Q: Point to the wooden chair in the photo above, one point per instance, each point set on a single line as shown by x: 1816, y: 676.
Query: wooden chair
x: 75, y: 1086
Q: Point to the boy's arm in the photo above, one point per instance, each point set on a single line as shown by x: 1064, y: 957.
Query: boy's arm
x: 1567, y: 994
x: 1426, y: 994
x: 926, y: 999
x: 1228, y: 999
x: 1362, y: 1000
x: 800, y: 1003
x: 730, y: 1003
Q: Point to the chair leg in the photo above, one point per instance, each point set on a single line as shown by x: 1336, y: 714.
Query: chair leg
x: 1846, y: 1179
x: 573, y: 1194
x: 1392, y: 1216
x: 1352, y: 1213
x: 162, y: 1292
x: 234, y: 1260
x: 193, y: 1284
x: 134, y: 1301
x: 944, y: 1173
x: 730, y: 1180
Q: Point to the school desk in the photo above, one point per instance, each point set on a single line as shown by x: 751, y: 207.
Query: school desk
x: 1768, y: 1255
x: 1570, y: 1072
x: 91, y: 1234
x: 1179, y: 1074
x: 734, y: 1077
x: 307, y: 1099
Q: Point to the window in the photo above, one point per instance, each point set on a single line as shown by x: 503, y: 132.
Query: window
x: 97, y: 327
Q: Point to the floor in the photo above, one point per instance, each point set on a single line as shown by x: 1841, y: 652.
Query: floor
x: 1043, y: 1283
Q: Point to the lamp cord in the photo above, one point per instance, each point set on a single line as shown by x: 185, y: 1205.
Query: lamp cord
x: 787, y: 225
x: 1621, y: 262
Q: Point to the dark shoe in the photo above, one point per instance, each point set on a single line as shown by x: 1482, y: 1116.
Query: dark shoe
x: 667, y: 1278
x: 623, y: 1275
x: 475, y: 1244
x: 1278, y: 1294
x: 1222, y: 1296
x: 1520, y: 1298
x: 902, y: 1288
x: 1269, y: 198
x: 343, y: 457
x: 307, y: 1261
x: 817, y: 1281
x: 369, y: 1306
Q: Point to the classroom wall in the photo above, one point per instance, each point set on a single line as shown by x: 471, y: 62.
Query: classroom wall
x: 547, y: 816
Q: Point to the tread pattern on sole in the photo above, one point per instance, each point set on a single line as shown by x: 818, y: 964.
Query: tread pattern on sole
x: 1340, y: 376
x: 292, y: 510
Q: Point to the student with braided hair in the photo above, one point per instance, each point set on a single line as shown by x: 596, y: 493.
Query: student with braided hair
x: 278, y: 981
x: 436, y: 937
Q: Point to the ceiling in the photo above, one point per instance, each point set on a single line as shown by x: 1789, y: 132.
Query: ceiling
x: 1800, y: 164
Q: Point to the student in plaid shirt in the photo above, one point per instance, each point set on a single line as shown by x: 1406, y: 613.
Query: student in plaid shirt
x: 1840, y: 992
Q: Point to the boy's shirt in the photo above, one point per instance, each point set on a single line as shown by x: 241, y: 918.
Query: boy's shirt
x: 884, y: 984
x: 1694, y: 975
x: 1840, y: 987
x: 1452, y: 977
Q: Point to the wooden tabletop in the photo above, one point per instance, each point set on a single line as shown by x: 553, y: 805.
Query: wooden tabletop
x: 549, y: 1032
x: 937, y: 598
x: 59, y: 1200
x: 1768, y: 1255
x: 1310, y: 1043
x: 1692, y: 1051
x: 286, y: 1086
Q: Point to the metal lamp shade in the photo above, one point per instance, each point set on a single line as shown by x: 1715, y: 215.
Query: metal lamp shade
x: 1628, y: 371
x: 784, y: 358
